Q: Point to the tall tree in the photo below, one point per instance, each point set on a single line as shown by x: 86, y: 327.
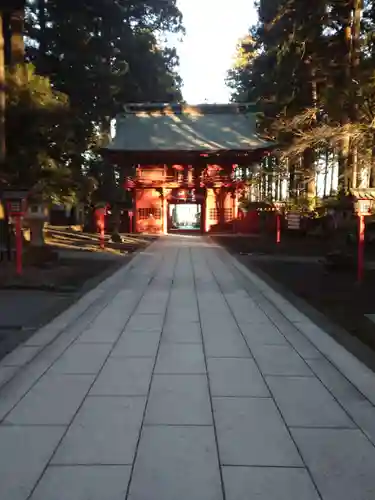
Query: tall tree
x: 93, y: 55
x: 313, y: 77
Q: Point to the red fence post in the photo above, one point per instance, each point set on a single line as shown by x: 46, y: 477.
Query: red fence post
x: 278, y: 228
x: 102, y: 237
x: 18, y: 244
x: 278, y: 207
x: 361, y: 246
x: 131, y: 215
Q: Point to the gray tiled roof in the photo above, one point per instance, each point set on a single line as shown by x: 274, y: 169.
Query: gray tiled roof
x: 193, y: 128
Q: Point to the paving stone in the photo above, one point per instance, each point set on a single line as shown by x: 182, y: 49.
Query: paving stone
x: 105, y: 431
x: 94, y: 334
x: 291, y: 312
x: 300, y: 343
x: 145, y: 322
x: 83, y: 483
x: 235, y: 377
x: 179, y: 400
x: 252, y: 315
x: 216, y: 322
x: 241, y: 303
x: 176, y: 463
x: 360, y: 375
x: 43, y: 336
x: 25, y: 453
x: 6, y: 373
x: 340, y: 387
x: 268, y: 483
x: 180, y: 358
x: 225, y: 344
x: 137, y: 344
x: 20, y: 356
x: 52, y: 401
x: 124, y: 377
x: 153, y: 303
x: 251, y: 432
x: 180, y: 461
x: 304, y: 401
x: 107, y: 327
x: 280, y: 360
x: 183, y: 314
x: 82, y: 359
x: 262, y: 334
x: 341, y: 462
x: 184, y: 332
x: 356, y: 405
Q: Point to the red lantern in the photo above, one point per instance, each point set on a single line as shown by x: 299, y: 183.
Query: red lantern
x: 363, y: 209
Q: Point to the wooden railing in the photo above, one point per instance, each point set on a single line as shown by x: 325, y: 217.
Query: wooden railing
x: 176, y: 181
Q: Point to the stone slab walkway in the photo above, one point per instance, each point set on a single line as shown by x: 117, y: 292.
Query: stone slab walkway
x: 182, y: 377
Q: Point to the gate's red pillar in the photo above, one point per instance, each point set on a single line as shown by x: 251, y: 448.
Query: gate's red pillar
x: 165, y: 212
x: 204, y: 217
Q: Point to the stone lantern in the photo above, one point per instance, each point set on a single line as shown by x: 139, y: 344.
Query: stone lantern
x: 36, y: 216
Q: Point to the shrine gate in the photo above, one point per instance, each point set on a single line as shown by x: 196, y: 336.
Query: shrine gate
x: 179, y: 163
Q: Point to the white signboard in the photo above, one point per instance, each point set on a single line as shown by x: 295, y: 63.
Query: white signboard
x: 294, y: 220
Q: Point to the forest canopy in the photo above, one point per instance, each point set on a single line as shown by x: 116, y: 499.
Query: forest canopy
x: 70, y: 67
x: 310, y: 68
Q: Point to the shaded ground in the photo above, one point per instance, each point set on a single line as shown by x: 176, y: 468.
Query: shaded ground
x: 296, y: 267
x: 69, y: 239
x: 44, y: 291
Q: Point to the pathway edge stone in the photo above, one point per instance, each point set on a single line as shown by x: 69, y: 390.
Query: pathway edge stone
x: 65, y: 321
x: 353, y: 369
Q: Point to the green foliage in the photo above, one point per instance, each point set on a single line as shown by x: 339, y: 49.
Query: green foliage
x: 311, y: 67
x: 86, y: 60
x: 37, y: 134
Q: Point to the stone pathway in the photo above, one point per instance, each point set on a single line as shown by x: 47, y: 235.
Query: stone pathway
x: 185, y: 377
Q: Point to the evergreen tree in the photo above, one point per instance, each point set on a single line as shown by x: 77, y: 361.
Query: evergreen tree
x: 93, y: 56
x: 313, y: 78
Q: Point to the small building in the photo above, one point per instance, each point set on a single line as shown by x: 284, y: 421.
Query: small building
x: 179, y: 163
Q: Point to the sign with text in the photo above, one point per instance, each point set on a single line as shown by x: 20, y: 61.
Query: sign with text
x: 293, y: 220
x: 185, y: 196
x: 363, y: 207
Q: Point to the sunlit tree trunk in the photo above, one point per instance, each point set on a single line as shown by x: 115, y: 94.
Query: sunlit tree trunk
x: 332, y: 178
x: 344, y: 159
x: 372, y: 166
x: 17, y: 44
x: 326, y: 167
x: 308, y: 157
x: 42, y: 35
x: 293, y: 176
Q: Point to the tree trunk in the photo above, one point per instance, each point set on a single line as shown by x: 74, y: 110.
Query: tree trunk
x: 17, y: 44
x: 42, y: 51
x: 263, y: 185
x: 277, y: 187
x: 326, y: 172
x: 292, y: 179
x: 372, y: 168
x: 2, y: 94
x: 355, y: 87
x: 308, y: 157
x: 308, y: 160
x: 331, y: 190
x: 345, y: 158
x: 345, y: 168
x: 270, y: 185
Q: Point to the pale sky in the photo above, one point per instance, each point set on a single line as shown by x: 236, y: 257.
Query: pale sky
x: 213, y: 29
